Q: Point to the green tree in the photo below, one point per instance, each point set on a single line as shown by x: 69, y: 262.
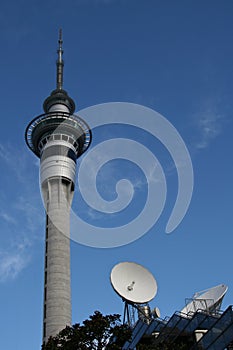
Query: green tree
x: 96, y: 333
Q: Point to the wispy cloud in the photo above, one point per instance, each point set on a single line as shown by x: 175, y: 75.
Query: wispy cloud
x: 209, y: 124
x: 93, y: 214
x: 20, y: 215
x: 15, y: 159
x: 29, y: 211
x: 8, y: 218
x: 23, y: 203
x: 15, y: 257
x: 12, y: 262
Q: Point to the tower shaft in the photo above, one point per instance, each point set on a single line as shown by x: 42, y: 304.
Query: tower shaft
x: 57, y: 193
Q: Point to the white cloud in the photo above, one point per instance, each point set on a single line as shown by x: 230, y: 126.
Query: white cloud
x: 32, y: 213
x: 14, y: 259
x: 4, y: 154
x: 27, y: 202
x: 16, y: 160
x: 12, y: 263
x: 8, y: 218
x: 93, y: 214
x: 209, y: 126
x: 20, y: 213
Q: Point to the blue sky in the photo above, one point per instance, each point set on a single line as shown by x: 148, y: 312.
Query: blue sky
x: 172, y: 56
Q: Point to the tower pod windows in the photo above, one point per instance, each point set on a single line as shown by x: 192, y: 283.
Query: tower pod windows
x: 59, y: 150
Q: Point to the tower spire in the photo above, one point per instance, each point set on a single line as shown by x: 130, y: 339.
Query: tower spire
x: 59, y: 96
x: 60, y: 62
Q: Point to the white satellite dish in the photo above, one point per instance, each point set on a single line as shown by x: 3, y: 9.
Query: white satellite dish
x: 133, y: 282
x: 156, y: 312
x: 208, y: 300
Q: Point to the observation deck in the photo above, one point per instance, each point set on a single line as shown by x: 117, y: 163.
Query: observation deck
x: 57, y: 126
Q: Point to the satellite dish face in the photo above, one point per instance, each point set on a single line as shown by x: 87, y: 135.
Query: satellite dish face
x: 133, y: 282
x: 156, y: 312
x: 208, y: 300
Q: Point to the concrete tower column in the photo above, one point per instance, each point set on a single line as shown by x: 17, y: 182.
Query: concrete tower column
x: 58, y: 194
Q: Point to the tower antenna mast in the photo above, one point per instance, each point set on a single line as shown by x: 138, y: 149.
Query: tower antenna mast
x: 60, y: 62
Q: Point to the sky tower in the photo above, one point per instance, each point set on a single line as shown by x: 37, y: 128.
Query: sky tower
x: 58, y: 138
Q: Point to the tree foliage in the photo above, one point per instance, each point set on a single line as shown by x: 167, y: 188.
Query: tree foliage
x: 96, y: 333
